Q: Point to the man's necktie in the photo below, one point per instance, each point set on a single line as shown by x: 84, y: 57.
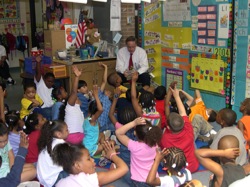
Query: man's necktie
x: 130, y: 65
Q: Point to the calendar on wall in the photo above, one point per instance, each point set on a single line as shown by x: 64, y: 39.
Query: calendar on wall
x: 174, y: 75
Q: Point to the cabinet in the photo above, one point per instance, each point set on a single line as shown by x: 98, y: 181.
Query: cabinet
x: 53, y: 40
x: 92, y: 73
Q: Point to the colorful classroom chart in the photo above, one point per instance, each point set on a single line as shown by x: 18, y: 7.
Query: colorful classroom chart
x: 174, y: 75
x: 208, y: 74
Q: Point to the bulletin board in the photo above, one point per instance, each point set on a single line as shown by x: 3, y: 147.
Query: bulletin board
x: 174, y: 75
x: 152, y: 35
x: 192, y: 34
x: 210, y: 54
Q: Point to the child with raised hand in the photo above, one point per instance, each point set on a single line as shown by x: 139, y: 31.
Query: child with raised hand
x: 33, y: 125
x: 74, y: 117
x: 104, y: 96
x: 146, y: 105
x: 227, y: 119
x: 52, y: 134
x: 244, y: 122
x: 159, y: 94
x: 7, y: 158
x: 126, y: 115
x: 77, y: 162
x: 93, y: 139
x: 19, y: 171
x: 142, y: 151
x: 84, y: 96
x: 179, y: 132
x: 30, y: 100
x: 228, y: 171
x: 15, y: 125
x: 60, y: 96
x: 44, y: 86
x: 174, y: 160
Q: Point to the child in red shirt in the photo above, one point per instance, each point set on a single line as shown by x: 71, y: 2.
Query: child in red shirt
x: 179, y: 132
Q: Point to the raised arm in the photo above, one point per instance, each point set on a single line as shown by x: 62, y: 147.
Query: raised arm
x: 204, y: 158
x: 178, y: 101
x: 112, y: 108
x: 190, y: 99
x: 114, y: 174
x: 73, y: 94
x: 105, y: 75
x: 136, y: 106
x: 152, y: 179
x: 121, y: 132
x: 197, y: 94
x: 98, y: 104
x: 167, y: 100
x: 38, y: 68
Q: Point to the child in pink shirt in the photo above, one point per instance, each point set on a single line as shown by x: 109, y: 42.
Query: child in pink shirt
x: 143, y: 150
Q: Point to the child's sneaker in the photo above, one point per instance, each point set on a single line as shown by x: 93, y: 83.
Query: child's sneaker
x: 10, y: 81
x: 103, y: 161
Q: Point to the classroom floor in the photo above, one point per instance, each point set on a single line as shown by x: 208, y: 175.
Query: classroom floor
x: 15, y: 93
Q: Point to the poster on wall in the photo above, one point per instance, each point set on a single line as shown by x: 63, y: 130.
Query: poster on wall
x: 207, y: 74
x: 176, y: 10
x: 9, y: 11
x: 207, y: 26
x: 223, y: 20
x: 70, y: 35
x: 174, y: 75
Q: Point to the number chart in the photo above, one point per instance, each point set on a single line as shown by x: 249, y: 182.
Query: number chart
x: 174, y: 75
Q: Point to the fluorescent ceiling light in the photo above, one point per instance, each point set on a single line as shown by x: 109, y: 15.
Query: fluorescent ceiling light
x: 147, y: 1
x: 100, y: 0
x: 76, y: 1
x: 131, y: 1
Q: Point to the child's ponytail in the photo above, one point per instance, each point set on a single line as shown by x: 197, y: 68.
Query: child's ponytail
x: 30, y: 123
x: 47, y: 134
x: 150, y: 135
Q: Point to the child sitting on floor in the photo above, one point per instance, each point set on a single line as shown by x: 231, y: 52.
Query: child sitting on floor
x: 7, y: 157
x: 124, y: 116
x: 15, y: 125
x: 84, y: 96
x: 44, y: 86
x: 146, y: 106
x: 30, y: 100
x: 179, y: 132
x: 174, y: 161
x: 244, y: 122
x: 228, y: 172
x: 227, y: 119
x: 77, y: 162
x: 52, y: 134
x: 93, y: 139
x: 142, y: 151
x: 115, y: 80
x: 74, y: 117
x: 33, y: 125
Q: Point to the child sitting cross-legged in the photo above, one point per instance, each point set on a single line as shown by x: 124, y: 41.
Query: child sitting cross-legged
x: 174, y: 161
x: 228, y: 171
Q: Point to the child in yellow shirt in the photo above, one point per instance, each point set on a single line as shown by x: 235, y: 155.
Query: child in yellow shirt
x: 30, y: 100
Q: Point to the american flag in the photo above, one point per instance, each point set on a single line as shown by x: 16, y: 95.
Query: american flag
x: 80, y: 37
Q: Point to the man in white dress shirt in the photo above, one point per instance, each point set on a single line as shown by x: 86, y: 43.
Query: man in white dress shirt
x: 132, y: 59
